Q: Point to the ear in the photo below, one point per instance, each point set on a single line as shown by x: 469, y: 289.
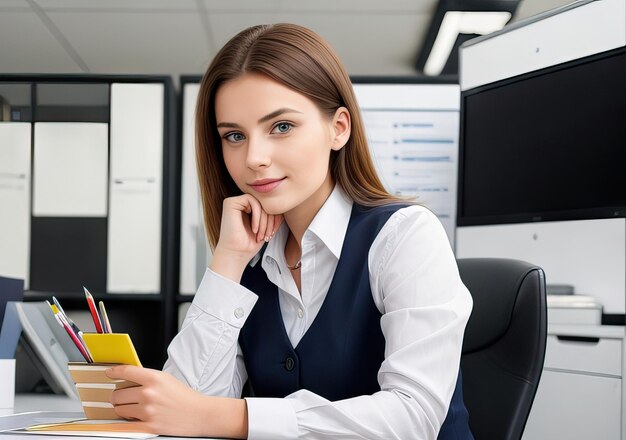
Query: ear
x: 341, y: 127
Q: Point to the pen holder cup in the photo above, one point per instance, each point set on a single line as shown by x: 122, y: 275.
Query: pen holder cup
x: 95, y: 388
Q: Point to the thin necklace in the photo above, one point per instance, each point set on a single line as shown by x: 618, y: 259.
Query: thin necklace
x: 295, y: 266
x: 298, y: 265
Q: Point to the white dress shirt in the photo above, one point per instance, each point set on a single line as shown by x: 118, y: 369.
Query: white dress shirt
x: 416, y: 287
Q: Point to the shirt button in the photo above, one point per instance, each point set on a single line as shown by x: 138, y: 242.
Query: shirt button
x: 289, y: 364
x: 238, y: 312
x: 300, y: 313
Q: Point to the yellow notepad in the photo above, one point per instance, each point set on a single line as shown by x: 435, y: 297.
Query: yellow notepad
x: 111, y: 348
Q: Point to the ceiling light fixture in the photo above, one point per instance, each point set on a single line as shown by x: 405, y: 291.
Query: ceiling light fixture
x: 456, y: 21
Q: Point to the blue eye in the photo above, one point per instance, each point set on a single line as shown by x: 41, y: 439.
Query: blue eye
x: 234, y: 137
x: 282, y: 127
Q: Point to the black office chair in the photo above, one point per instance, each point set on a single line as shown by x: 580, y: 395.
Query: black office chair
x: 504, y: 344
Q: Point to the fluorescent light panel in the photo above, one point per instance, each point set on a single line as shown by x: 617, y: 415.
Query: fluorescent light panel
x: 455, y: 23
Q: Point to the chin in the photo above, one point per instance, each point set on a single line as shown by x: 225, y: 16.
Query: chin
x: 273, y: 207
x: 275, y: 211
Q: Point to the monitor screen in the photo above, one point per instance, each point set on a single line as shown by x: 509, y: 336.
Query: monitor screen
x: 547, y: 145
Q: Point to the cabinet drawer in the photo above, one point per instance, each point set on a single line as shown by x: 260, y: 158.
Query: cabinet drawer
x: 575, y: 406
x: 601, y: 355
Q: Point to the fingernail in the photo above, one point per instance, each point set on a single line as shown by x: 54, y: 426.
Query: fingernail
x: 267, y: 239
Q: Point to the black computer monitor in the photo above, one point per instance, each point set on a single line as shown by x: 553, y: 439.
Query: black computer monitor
x: 546, y: 145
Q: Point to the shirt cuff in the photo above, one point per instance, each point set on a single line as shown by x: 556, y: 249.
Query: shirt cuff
x: 225, y: 299
x: 271, y: 419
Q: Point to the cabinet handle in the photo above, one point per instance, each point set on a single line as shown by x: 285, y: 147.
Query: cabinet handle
x: 586, y: 339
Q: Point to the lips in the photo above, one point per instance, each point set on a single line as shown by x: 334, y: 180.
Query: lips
x: 266, y: 185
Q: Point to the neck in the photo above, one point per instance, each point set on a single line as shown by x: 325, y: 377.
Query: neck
x: 300, y: 217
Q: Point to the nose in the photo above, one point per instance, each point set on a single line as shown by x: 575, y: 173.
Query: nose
x: 259, y: 153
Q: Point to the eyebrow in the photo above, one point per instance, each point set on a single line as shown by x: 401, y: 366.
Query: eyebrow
x: 265, y: 118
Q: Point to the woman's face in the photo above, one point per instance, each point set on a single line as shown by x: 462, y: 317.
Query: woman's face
x: 276, y: 143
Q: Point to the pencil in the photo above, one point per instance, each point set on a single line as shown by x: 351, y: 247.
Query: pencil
x: 94, y: 312
x: 105, y: 318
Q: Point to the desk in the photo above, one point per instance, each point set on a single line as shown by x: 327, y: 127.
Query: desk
x: 51, y: 402
x: 45, y: 402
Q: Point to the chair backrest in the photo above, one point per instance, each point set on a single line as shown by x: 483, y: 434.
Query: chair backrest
x: 504, y: 344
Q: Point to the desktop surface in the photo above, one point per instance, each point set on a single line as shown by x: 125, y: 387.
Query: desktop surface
x: 45, y: 402
x: 51, y: 402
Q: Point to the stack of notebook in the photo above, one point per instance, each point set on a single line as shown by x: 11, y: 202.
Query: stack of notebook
x: 95, y: 389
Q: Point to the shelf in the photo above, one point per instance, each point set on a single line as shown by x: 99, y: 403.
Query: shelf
x: 79, y: 296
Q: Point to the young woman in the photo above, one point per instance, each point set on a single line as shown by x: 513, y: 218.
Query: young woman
x: 334, y: 308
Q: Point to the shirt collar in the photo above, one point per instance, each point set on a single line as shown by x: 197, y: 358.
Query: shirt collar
x: 331, y: 221
x: 329, y: 225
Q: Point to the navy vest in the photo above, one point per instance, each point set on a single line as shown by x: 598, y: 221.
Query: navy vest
x: 340, y: 354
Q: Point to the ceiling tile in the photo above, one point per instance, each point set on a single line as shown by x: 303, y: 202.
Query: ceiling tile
x: 117, y: 5
x: 244, y: 6
x: 12, y: 4
x: 355, y: 6
x: 359, y: 39
x: 137, y: 43
x: 172, y: 37
x: 29, y: 47
x: 528, y: 8
x: 361, y: 6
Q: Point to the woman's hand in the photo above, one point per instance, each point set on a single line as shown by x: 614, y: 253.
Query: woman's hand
x: 245, y: 227
x: 163, y: 405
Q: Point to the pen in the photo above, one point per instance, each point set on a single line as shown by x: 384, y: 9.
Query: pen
x: 61, y: 317
x: 105, y: 318
x: 83, y: 349
x: 55, y: 309
x: 80, y: 336
x: 94, y: 313
x: 67, y: 318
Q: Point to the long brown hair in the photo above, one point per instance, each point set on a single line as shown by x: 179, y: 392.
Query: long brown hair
x: 299, y: 59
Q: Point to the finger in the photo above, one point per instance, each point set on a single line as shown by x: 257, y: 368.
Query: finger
x: 278, y: 220
x: 132, y: 411
x: 132, y: 373
x: 262, y: 226
x: 256, y: 208
x: 269, y: 230
x: 127, y: 396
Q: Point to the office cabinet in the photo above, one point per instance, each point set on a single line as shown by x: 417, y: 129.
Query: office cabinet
x: 134, y: 246
x: 15, y: 159
x: 89, y: 195
x: 581, y: 392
